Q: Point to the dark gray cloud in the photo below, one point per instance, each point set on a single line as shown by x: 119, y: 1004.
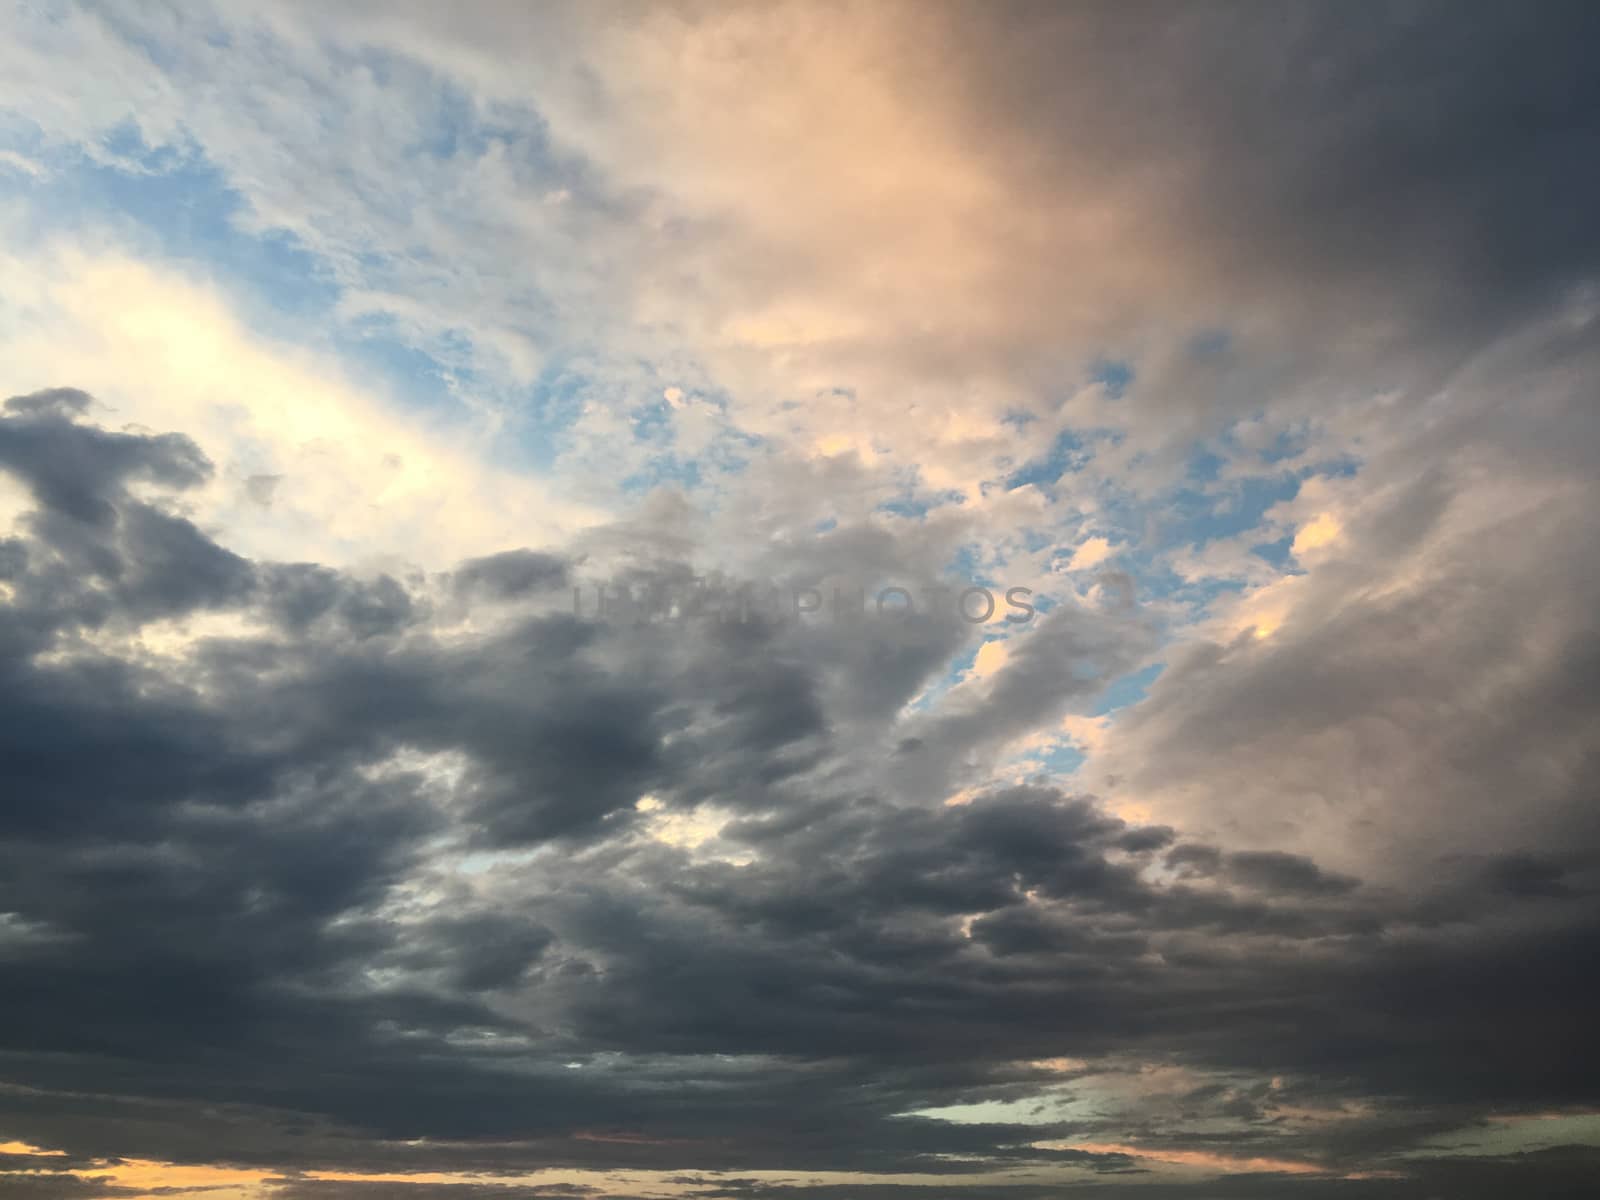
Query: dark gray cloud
x: 359, y: 882
x: 76, y: 471
x: 1429, y: 157
x: 510, y: 574
x: 59, y: 1186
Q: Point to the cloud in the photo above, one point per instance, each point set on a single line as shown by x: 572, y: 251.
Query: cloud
x: 1091, y: 554
x: 418, y: 861
x: 1419, y: 669
x: 350, y: 850
x: 353, y: 477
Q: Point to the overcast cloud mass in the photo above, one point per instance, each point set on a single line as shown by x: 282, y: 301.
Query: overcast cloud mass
x: 819, y: 601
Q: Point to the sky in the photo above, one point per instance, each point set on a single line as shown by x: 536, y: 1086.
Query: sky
x: 799, y: 601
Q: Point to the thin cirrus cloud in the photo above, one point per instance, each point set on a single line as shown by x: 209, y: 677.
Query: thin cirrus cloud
x: 354, y: 354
